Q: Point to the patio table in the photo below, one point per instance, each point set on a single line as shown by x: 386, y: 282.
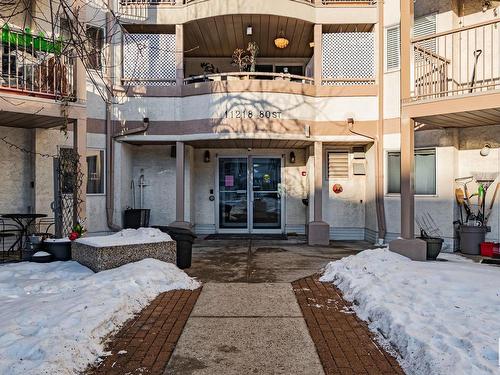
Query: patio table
x: 24, y: 221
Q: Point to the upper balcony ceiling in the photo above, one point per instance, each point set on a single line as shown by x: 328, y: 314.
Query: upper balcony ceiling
x: 220, y: 36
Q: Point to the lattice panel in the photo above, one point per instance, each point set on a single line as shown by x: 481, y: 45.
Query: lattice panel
x: 348, y: 56
x: 149, y: 59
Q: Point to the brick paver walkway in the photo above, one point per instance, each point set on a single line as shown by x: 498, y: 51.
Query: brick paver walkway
x: 144, y: 344
x: 344, y: 343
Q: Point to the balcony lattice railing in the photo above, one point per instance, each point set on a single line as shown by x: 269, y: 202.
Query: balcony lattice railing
x: 35, y: 65
x: 457, y: 62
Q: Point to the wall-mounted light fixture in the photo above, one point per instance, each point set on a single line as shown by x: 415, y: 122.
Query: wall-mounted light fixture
x: 292, y: 157
x: 485, y: 151
x: 249, y: 30
x: 206, y: 157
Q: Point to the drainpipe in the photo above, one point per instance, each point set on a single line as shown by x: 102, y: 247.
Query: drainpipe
x: 379, y: 142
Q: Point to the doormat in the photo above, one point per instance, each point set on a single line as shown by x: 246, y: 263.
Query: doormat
x: 232, y: 236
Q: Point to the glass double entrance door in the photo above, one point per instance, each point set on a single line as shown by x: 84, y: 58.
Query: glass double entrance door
x: 249, y: 192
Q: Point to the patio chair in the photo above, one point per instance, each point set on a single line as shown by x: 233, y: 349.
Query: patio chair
x: 44, y: 227
x: 9, y: 234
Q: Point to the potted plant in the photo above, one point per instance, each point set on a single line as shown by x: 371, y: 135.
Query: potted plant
x: 60, y: 248
x: 253, y: 51
x: 240, y: 60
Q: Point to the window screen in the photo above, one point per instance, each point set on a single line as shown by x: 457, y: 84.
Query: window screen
x: 425, y: 172
x: 338, y: 165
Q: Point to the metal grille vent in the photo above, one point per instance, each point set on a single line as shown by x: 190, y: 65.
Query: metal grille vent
x: 149, y: 59
x: 338, y: 165
x: 349, y: 56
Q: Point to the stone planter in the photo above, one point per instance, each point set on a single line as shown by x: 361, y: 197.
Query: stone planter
x: 104, y: 258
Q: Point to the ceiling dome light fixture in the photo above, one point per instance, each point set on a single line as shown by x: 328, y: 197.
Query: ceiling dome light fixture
x: 281, y: 41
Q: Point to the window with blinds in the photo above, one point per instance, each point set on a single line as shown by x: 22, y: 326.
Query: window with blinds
x: 425, y: 172
x: 425, y: 26
x: 393, y: 46
x: 338, y: 165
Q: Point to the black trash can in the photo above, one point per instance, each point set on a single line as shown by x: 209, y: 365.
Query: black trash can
x: 136, y: 218
x: 184, y: 238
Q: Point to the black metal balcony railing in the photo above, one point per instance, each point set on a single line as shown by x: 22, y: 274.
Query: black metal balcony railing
x: 34, y: 65
x: 457, y: 62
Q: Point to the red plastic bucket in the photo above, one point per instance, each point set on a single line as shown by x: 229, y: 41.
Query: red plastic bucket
x: 487, y: 249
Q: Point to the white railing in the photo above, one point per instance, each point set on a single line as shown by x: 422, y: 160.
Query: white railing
x: 183, y: 2
x: 32, y: 65
x: 457, y: 62
x: 241, y: 76
x: 249, y: 76
x: 335, y: 2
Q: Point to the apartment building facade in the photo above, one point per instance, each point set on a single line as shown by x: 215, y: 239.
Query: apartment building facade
x: 182, y: 116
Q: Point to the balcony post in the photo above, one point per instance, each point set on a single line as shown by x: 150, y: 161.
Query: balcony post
x: 80, y: 80
x: 318, y: 54
x: 318, y: 231
x: 406, y: 126
x: 179, y: 55
x: 413, y: 248
x: 180, y: 187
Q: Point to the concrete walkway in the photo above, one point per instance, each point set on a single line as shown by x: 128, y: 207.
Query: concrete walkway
x: 245, y: 329
x: 247, y: 319
x: 260, y: 261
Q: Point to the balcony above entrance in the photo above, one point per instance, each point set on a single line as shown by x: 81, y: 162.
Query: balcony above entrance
x: 241, y: 53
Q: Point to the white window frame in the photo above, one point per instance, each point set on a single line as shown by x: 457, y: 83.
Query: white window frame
x: 386, y: 173
x: 104, y: 187
x: 386, y: 54
x: 88, y: 25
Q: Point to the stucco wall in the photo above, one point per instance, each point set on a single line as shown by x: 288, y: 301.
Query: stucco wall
x: 159, y: 174
x: 346, y: 210
x: 291, y: 106
x: 16, y: 172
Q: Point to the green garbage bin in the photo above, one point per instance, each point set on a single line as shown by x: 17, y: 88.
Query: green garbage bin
x: 184, y: 238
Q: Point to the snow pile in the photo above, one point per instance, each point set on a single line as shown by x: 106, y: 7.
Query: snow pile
x: 442, y: 317
x: 127, y: 237
x: 54, y: 316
